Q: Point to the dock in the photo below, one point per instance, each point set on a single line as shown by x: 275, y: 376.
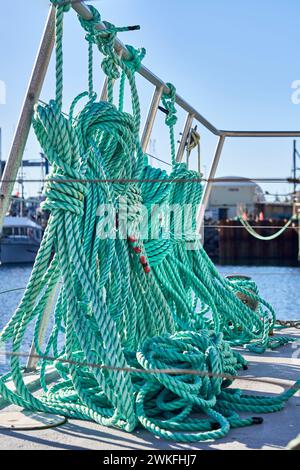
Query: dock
x: 274, y: 370
x: 227, y: 242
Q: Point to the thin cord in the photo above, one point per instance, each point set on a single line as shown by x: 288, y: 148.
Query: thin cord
x: 140, y: 180
x: 134, y: 370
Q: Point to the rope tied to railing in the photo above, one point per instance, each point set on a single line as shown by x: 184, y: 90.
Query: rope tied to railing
x: 253, y: 232
x: 168, y: 100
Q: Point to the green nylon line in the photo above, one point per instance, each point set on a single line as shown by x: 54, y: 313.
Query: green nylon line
x: 59, y: 54
x: 90, y: 69
x: 110, y: 310
x: 252, y: 232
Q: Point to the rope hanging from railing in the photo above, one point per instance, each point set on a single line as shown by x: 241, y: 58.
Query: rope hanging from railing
x: 252, y: 232
x: 128, y: 301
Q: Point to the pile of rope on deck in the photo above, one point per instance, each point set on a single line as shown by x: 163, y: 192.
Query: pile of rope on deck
x: 127, y: 301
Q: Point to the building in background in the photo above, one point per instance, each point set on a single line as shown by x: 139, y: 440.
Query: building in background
x: 276, y: 210
x: 225, y: 239
x: 233, y: 192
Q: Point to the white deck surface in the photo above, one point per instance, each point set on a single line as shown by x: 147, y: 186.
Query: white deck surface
x: 281, y: 365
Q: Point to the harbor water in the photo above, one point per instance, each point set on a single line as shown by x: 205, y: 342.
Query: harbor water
x: 278, y: 285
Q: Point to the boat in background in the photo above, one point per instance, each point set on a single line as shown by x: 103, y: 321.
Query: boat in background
x: 20, y: 240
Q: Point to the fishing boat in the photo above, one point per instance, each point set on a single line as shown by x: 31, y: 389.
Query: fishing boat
x: 20, y: 240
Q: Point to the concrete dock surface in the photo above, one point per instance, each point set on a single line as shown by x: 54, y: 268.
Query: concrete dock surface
x: 281, y: 366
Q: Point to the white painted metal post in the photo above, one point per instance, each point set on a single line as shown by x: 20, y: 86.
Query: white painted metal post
x: 151, y: 117
x: 208, y: 186
x: 185, y: 134
x: 32, y: 95
x: 32, y: 360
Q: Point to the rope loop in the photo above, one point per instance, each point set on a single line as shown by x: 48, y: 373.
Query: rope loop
x: 252, y: 232
x: 168, y: 100
x: 105, y: 41
x: 178, y: 396
x: 89, y: 25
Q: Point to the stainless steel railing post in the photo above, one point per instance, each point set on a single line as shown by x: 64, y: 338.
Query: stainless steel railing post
x: 23, y: 127
x: 32, y: 359
x: 208, y: 186
x: 151, y: 117
x: 185, y: 134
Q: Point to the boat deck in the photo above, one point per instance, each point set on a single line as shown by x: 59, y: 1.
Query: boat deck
x: 281, y: 366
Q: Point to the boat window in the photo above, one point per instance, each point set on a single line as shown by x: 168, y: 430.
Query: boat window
x: 22, y: 231
x: 7, y: 231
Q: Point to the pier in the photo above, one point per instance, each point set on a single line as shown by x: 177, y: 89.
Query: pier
x: 274, y: 371
x: 227, y: 242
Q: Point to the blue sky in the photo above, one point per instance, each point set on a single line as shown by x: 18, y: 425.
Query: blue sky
x: 234, y: 61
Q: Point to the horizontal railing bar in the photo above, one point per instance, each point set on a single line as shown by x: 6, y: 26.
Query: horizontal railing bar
x: 152, y: 78
x: 151, y: 118
x: 197, y: 116
x: 84, y: 11
x: 260, y: 133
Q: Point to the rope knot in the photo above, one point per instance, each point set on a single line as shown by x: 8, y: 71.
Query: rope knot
x: 106, y: 38
x: 89, y: 25
x: 105, y: 41
x: 135, y: 61
x: 168, y: 100
x: 110, y: 68
x: 65, y: 192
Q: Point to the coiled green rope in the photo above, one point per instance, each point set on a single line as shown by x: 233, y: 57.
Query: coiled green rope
x: 129, y: 302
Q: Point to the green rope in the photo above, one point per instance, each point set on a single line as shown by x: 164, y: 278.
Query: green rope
x: 171, y: 118
x: 252, y: 232
x: 130, y: 302
x: 90, y: 70
x: 60, y: 10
